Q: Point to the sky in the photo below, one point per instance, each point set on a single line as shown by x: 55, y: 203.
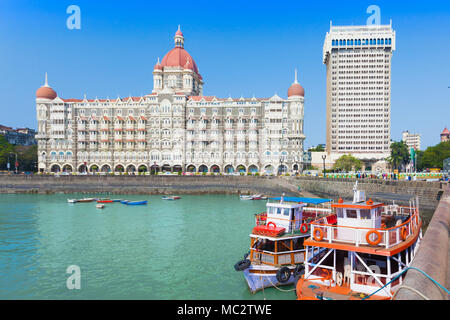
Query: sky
x: 242, y: 48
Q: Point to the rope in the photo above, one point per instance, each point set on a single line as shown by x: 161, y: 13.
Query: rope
x: 262, y: 285
x: 414, y: 268
x: 283, y: 290
x: 412, y: 289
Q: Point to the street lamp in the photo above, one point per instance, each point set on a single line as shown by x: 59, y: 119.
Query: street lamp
x: 16, y: 164
x: 323, y: 158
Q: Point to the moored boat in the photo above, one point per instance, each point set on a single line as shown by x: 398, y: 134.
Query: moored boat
x: 361, y: 251
x: 171, y: 198
x: 134, y: 203
x: 276, y: 243
x: 85, y: 200
x: 105, y: 201
x: 100, y: 206
x: 124, y: 201
x: 244, y: 197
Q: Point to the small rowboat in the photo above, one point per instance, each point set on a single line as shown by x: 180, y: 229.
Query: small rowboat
x: 171, y: 197
x: 246, y: 197
x: 104, y: 201
x: 124, y: 201
x: 71, y: 200
x: 100, y: 206
x: 85, y: 200
x: 134, y: 203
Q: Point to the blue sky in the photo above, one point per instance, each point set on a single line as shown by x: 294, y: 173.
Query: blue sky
x: 241, y: 48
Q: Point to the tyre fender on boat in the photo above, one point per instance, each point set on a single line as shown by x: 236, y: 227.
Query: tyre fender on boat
x: 283, y: 275
x: 242, y: 265
x: 299, y: 270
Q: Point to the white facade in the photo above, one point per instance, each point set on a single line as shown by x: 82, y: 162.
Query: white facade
x: 358, y: 60
x: 174, y: 128
x: 412, y: 140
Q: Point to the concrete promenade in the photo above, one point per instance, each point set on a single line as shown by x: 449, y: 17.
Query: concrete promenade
x: 432, y: 257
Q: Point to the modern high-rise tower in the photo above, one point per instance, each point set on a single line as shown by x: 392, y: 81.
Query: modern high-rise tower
x: 358, y: 60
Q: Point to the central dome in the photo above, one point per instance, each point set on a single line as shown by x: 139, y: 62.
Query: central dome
x: 178, y: 57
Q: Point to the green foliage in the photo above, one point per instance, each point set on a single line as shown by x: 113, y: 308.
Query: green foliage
x: 347, y: 163
x: 433, y: 157
x: 26, y: 156
x: 399, y: 154
x: 5, y: 149
x: 317, y: 149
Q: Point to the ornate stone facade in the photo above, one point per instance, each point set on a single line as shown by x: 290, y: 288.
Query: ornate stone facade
x: 174, y: 128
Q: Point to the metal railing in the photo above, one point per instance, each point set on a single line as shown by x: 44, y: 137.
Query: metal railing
x: 357, y: 236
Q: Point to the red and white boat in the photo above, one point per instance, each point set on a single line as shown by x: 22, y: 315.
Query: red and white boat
x: 276, y: 243
x: 360, y: 251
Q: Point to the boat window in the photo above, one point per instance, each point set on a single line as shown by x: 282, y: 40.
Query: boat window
x: 278, y: 210
x: 286, y: 211
x: 351, y: 214
x: 340, y: 212
x: 365, y: 214
x: 270, y: 210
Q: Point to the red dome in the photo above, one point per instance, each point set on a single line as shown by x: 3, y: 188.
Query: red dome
x: 179, y: 33
x: 158, y: 67
x: 445, y: 131
x: 178, y: 57
x: 296, y: 90
x: 46, y: 93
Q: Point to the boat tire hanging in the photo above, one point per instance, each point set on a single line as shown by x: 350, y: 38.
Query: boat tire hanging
x: 242, y: 265
x: 283, y: 275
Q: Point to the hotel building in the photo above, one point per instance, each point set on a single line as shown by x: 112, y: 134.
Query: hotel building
x: 173, y: 128
x: 412, y: 140
x: 358, y: 60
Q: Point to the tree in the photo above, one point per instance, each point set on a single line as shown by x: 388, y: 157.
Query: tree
x: 27, y: 157
x: 347, y: 163
x: 399, y: 154
x: 433, y: 157
x: 5, y: 149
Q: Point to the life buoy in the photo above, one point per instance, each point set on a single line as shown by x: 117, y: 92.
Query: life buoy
x: 271, y: 224
x: 403, y: 233
x: 318, y: 234
x: 304, y: 228
x: 373, y: 242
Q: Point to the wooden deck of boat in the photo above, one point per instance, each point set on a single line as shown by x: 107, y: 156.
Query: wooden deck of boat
x: 311, y: 291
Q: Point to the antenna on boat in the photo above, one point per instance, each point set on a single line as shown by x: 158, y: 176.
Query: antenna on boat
x: 282, y: 198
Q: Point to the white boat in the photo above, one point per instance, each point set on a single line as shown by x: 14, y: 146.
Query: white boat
x: 100, y: 206
x: 276, y: 253
x: 171, y: 198
x: 242, y: 197
x: 361, y: 251
x: 71, y: 200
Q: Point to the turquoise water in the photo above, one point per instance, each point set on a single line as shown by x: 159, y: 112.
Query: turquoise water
x: 183, y: 249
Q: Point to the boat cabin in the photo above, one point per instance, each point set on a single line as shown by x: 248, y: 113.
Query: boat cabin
x: 285, y: 215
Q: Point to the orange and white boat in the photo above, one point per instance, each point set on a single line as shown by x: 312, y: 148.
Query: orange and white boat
x: 276, y: 243
x: 360, y: 251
